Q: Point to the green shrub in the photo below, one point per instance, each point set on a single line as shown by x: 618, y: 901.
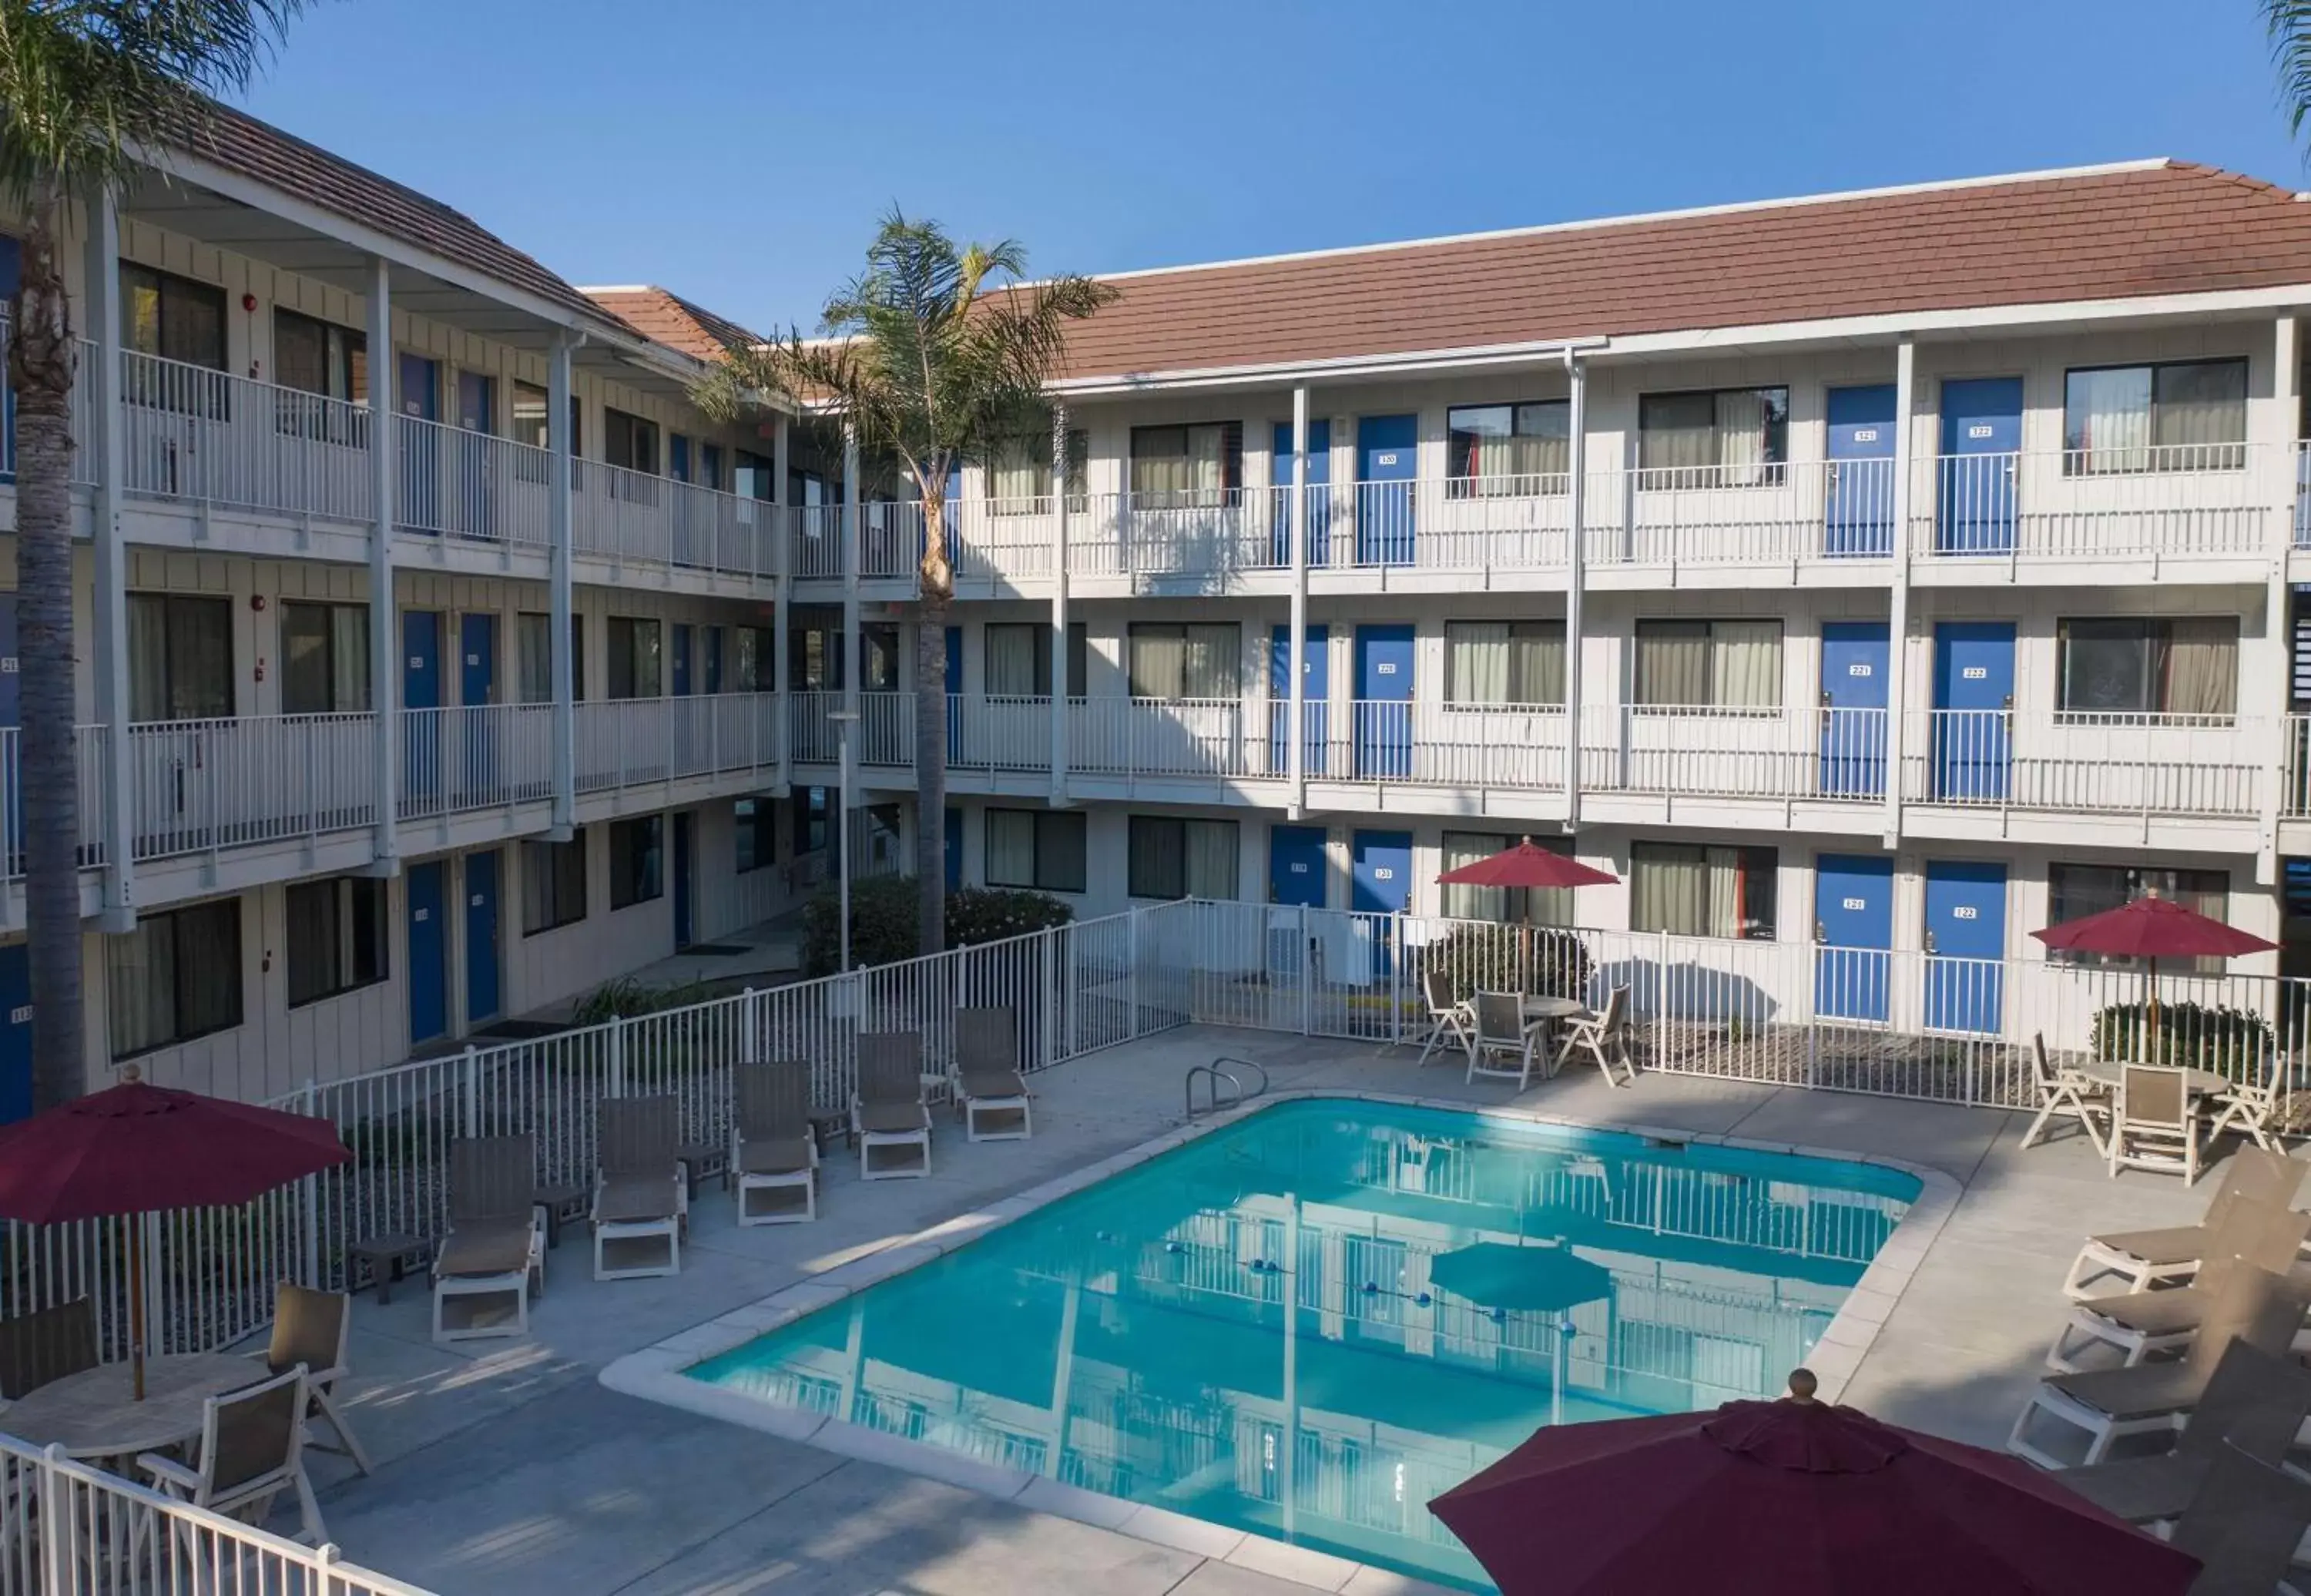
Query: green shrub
x: 630, y: 994
x: 2191, y: 1035
x: 884, y: 910
x: 1540, y: 961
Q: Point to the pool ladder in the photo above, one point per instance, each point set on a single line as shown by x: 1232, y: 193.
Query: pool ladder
x: 1213, y: 1074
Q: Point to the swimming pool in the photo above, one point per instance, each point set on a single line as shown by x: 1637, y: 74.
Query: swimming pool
x: 1312, y: 1320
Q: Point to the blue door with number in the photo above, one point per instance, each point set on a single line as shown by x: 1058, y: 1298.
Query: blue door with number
x: 15, y: 1033
x: 475, y: 510
x: 429, y: 997
x: 1853, y: 660
x: 1852, y: 930
x: 1379, y: 882
x: 1316, y: 678
x: 1383, y: 706
x: 421, y: 705
x: 478, y: 686
x: 709, y: 659
x: 1319, y: 494
x: 417, y: 392
x: 1388, y: 458
x: 1981, y: 456
x: 1861, y: 499
x: 1966, y: 945
x: 1974, y: 711
x: 954, y: 750
x: 482, y: 991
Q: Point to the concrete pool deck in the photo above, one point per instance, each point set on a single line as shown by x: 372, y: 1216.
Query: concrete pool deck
x: 505, y: 1466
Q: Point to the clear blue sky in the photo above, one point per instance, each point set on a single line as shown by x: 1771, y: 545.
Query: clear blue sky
x: 739, y: 150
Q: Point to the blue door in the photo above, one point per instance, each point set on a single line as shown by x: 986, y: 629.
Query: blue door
x: 1319, y: 494
x: 677, y: 457
x: 683, y: 933
x: 954, y: 694
x: 1852, y: 930
x: 1387, y: 459
x: 1379, y: 882
x: 482, y: 998
x: 709, y: 659
x: 477, y: 684
x: 1383, y: 706
x: 421, y: 692
x: 1974, y: 709
x: 954, y: 849
x: 15, y: 1033
x: 1853, y: 660
x: 1860, y: 508
x: 1295, y: 865
x: 429, y: 997
x: 709, y: 465
x: 681, y: 662
x: 1966, y: 945
x: 418, y: 393
x: 476, y: 403
x: 1316, y: 678
x: 1982, y: 443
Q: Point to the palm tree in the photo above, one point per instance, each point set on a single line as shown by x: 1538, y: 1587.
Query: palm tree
x: 83, y: 85
x: 936, y: 353
x: 2289, y: 21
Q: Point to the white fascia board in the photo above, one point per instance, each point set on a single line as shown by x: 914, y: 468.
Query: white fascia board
x: 1410, y: 362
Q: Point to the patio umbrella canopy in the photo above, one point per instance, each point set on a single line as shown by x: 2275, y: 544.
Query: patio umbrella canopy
x: 1527, y: 864
x: 1521, y: 1280
x: 1794, y: 1498
x: 2152, y: 927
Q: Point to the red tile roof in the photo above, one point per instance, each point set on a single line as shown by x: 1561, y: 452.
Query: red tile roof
x: 668, y: 318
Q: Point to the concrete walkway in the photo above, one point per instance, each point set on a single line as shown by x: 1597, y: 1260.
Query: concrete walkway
x: 503, y: 1467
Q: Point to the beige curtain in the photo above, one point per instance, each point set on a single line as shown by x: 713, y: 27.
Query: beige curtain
x: 1741, y: 436
x: 1010, y: 848
x: 1748, y: 659
x: 1672, y: 662
x: 1724, y: 906
x: 1211, y: 860
x: 2203, y: 667
x: 1669, y: 890
x: 1477, y: 662
x: 1159, y: 661
x: 1537, y: 662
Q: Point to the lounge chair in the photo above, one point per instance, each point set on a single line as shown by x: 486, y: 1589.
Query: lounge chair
x: 2067, y: 1094
x: 640, y: 1194
x: 1504, y: 1032
x: 988, y: 1084
x: 2254, y: 1402
x: 2142, y: 1324
x: 1605, y: 1038
x: 1451, y: 1023
x: 251, y: 1449
x: 772, y: 1147
x: 2253, y: 1305
x: 496, y: 1244
x: 2243, y: 1526
x: 887, y: 1108
x: 2138, y: 1260
x: 2156, y: 1124
x: 44, y: 1346
x: 311, y: 1330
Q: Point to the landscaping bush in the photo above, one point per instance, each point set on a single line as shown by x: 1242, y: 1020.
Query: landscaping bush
x: 1539, y: 961
x: 630, y: 994
x: 2190, y: 1035
x: 883, y: 921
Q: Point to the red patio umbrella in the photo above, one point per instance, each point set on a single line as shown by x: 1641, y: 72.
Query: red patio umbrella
x: 2151, y: 928
x: 1791, y: 1498
x: 136, y: 1150
x: 1527, y: 864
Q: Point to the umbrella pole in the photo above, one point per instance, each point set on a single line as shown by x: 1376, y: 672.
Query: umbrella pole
x: 2150, y: 1009
x: 137, y: 1304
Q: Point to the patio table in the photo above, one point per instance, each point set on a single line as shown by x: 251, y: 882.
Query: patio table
x: 93, y: 1415
x: 2199, y: 1082
x: 1552, y: 1008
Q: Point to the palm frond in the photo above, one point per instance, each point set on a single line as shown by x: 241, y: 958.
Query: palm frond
x: 2289, y: 25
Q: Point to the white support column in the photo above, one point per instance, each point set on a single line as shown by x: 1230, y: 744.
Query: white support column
x: 559, y: 534
x: 854, y: 522
x: 781, y: 597
x: 1295, y: 638
x: 1062, y: 689
x: 101, y: 273
x: 1898, y: 614
x: 1576, y: 421
x: 383, y: 630
x: 2271, y: 687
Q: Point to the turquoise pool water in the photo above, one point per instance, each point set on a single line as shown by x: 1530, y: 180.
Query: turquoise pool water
x: 1247, y: 1329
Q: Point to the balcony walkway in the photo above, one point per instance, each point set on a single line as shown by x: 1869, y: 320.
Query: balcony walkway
x: 503, y: 1467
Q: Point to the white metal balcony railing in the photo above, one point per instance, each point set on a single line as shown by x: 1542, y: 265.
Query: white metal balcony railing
x: 2181, y: 766
x: 638, y: 741
x: 89, y: 767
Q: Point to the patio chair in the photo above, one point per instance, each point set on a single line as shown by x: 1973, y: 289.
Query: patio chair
x: 888, y: 1110
x: 772, y: 1147
x: 987, y: 1085
x: 2250, y: 1107
x: 1503, y: 1033
x: 2142, y: 1324
x: 640, y: 1194
x: 2254, y: 1402
x: 2138, y: 1260
x: 1604, y: 1037
x: 496, y: 1244
x: 311, y: 1330
x: 251, y: 1449
x: 44, y: 1346
x: 2243, y: 1526
x: 1450, y: 1021
x: 2253, y: 1305
x: 2067, y: 1094
x: 2156, y: 1124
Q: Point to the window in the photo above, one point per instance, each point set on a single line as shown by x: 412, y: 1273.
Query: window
x: 635, y: 655
x: 1019, y: 477
x: 816, y: 645
x: 755, y: 476
x: 637, y: 874
x: 878, y: 658
x: 810, y: 807
x: 1735, y: 665
x: 2150, y: 667
x: 753, y: 659
x: 534, y: 635
x: 1498, y: 451
x: 552, y: 883
x: 175, y: 977
x: 1196, y: 467
x: 1518, y: 906
x: 1733, y: 437
x: 1693, y: 891
x: 758, y: 837
x: 1019, y: 659
x: 1182, y: 858
x: 1170, y: 661
x: 2189, y: 416
x: 172, y: 317
x: 323, y: 659
x: 2076, y: 890
x: 180, y: 657
x: 629, y: 440
x: 319, y: 357
x: 1038, y: 848
x: 336, y: 937
x: 1504, y: 662
x: 530, y: 410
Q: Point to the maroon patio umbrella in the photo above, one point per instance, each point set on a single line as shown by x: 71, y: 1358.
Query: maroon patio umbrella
x: 136, y: 1150
x: 1527, y: 864
x: 2151, y: 928
x: 1791, y: 1498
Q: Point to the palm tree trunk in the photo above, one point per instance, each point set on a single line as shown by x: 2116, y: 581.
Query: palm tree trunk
x: 931, y: 720
x: 41, y: 369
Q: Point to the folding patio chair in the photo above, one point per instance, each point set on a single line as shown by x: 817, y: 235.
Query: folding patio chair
x: 2156, y: 1124
x: 251, y: 1449
x: 1604, y: 1037
x: 2068, y: 1095
x: 1504, y: 1032
x: 1450, y: 1021
x: 311, y: 1329
x: 45, y: 1345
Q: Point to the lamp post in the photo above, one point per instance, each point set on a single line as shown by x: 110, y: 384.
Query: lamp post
x: 844, y: 720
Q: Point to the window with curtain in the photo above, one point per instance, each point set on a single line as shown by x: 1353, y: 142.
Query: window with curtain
x: 1043, y: 848
x: 756, y: 820
x: 1019, y: 477
x: 637, y: 871
x: 630, y: 440
x: 175, y: 977
x: 530, y: 410
x: 172, y: 317
x: 1733, y: 665
x: 1172, y: 858
x: 180, y: 657
x: 878, y: 658
x: 336, y: 937
x: 323, y: 659
x: 319, y: 357
x: 1508, y: 450
x: 552, y: 883
x: 1171, y: 660
x: 1508, y: 905
x: 637, y: 652
x: 1018, y: 658
x: 753, y: 659
x: 534, y: 641
x: 2183, y: 415
x: 2074, y: 891
x: 1730, y: 437
x: 1504, y: 662
x: 1191, y: 467
x: 2147, y: 665
x: 1691, y: 889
